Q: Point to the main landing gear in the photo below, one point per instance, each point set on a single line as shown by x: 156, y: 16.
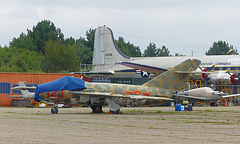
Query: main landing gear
x: 213, y: 104
x: 54, y: 110
x: 96, y: 108
x: 115, y: 112
x: 114, y: 108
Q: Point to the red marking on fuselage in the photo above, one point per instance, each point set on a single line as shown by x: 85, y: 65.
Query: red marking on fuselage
x: 128, y: 92
x: 138, y: 92
x: 146, y: 93
x: 55, y: 94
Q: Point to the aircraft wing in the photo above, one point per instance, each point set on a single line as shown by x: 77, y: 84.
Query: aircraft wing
x: 146, y: 68
x: 104, y: 73
x: 107, y: 94
x: 147, y: 97
x: 23, y: 88
x: 191, y: 72
x: 190, y: 97
x: 233, y: 95
x: 157, y: 70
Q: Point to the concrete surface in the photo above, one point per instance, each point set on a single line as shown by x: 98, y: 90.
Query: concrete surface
x: 136, y: 125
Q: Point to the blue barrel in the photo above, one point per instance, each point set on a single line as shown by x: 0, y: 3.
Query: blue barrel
x: 178, y: 107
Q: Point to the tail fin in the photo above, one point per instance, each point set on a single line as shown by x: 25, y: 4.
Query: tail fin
x: 175, y: 78
x: 24, y: 90
x: 105, y: 49
x: 25, y: 93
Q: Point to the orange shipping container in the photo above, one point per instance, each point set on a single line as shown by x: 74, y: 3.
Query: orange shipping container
x: 8, y: 80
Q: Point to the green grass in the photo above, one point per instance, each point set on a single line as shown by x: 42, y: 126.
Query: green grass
x: 11, y: 112
x: 135, y: 111
x: 129, y: 126
x: 210, y: 122
x: 151, y: 127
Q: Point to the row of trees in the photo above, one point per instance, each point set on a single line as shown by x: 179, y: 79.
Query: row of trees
x: 218, y: 48
x: 44, y: 49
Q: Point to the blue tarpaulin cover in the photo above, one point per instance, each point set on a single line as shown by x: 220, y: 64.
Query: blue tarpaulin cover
x: 64, y: 83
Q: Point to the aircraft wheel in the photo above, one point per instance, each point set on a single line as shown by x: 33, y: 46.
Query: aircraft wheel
x: 213, y: 104
x: 54, y: 110
x: 96, y: 108
x: 115, y: 112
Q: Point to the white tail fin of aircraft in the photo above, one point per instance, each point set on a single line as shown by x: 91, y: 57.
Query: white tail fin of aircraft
x: 105, y: 49
x: 24, y: 90
x: 106, y: 52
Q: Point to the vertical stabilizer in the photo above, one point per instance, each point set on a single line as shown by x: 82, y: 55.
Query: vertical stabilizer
x: 175, y: 78
x: 23, y: 92
x: 105, y: 51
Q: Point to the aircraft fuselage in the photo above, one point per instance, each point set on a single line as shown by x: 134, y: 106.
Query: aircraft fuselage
x: 96, y: 92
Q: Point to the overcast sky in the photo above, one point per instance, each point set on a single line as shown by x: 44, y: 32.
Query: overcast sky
x: 182, y: 26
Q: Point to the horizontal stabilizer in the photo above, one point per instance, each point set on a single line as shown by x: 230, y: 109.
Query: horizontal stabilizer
x: 233, y: 95
x: 146, y: 68
x: 103, y: 73
x: 16, y: 96
x: 23, y: 88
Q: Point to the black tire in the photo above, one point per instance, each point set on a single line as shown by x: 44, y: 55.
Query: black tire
x: 115, y: 112
x: 189, y: 108
x: 96, y: 108
x: 213, y: 104
x: 67, y: 106
x: 54, y: 110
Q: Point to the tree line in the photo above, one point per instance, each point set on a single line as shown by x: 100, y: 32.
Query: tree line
x: 44, y: 49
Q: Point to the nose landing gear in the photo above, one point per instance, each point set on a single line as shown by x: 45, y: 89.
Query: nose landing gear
x: 54, y: 110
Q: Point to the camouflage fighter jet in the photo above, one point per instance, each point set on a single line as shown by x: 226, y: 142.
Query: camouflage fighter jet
x: 157, y: 90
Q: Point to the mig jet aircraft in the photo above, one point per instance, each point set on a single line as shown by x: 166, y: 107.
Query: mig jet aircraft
x: 69, y: 89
